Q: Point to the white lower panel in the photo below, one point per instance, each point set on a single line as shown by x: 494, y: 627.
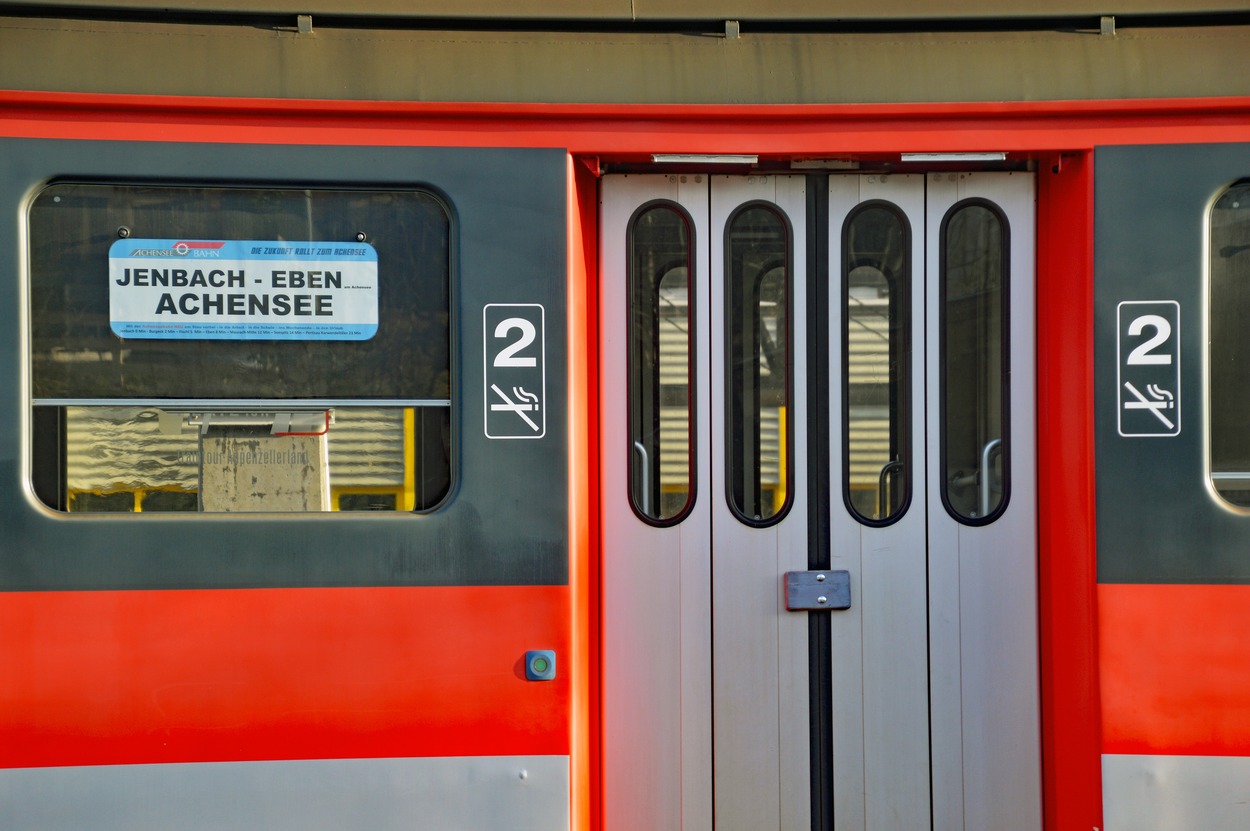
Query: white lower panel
x: 434, y: 794
x: 1175, y: 793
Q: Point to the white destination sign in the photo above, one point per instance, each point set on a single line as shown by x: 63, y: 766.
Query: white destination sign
x: 243, y: 290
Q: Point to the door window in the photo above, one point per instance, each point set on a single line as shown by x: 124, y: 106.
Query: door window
x: 757, y: 344
x: 974, y: 337
x: 661, y: 368
x: 876, y: 365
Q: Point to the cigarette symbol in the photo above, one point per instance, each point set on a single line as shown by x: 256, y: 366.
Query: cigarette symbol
x: 1164, y: 400
x: 528, y: 402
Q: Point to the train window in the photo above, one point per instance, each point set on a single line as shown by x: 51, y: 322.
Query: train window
x: 1229, y: 380
x: 757, y: 360
x: 661, y: 368
x: 876, y: 370
x: 239, y: 348
x: 973, y: 307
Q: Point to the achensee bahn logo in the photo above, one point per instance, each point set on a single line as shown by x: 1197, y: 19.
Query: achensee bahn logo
x: 182, y: 248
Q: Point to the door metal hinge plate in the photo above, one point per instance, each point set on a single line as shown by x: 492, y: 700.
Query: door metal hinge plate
x: 817, y: 591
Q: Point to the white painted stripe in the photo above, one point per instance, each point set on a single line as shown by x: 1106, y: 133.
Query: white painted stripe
x: 429, y: 794
x: 1175, y: 793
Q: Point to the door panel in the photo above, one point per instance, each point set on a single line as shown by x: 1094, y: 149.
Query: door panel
x: 656, y: 603
x: 880, y: 658
x: 760, y: 725
x: 983, y: 578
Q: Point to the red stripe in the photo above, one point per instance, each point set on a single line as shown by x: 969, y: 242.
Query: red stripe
x: 192, y: 676
x: 1175, y: 669
x: 630, y: 131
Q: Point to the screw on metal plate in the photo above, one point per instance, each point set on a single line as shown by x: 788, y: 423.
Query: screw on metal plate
x: 817, y: 590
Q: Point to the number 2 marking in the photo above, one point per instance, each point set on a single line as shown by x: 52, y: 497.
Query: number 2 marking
x: 507, y: 356
x: 1142, y: 354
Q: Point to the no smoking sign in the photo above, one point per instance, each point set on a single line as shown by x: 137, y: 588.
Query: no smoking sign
x: 514, y: 370
x: 1148, y: 368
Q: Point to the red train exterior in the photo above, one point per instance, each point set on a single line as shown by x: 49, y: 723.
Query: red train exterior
x: 1138, y: 676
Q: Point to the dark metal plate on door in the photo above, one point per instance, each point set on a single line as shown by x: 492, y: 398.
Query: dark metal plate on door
x: 815, y: 591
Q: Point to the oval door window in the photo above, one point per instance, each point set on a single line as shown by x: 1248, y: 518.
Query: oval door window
x: 661, y: 368
x: 876, y: 365
x: 974, y: 380
x: 757, y: 363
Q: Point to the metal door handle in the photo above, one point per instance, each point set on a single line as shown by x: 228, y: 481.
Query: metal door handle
x: 890, y: 469
x: 991, y: 446
x: 644, y: 476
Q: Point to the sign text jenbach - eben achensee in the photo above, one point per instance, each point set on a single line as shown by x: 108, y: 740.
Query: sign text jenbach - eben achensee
x: 246, y: 303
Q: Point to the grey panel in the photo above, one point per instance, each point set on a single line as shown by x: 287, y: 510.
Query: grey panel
x: 525, y: 793
x: 631, y: 66
x: 506, y: 519
x: 1157, y: 520
x: 659, y: 10
x: 1175, y: 793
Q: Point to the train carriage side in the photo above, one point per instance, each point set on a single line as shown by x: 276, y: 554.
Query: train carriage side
x: 288, y: 510
x: 812, y: 418
x: 1169, y: 299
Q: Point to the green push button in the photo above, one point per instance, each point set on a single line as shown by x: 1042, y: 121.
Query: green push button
x: 540, y: 665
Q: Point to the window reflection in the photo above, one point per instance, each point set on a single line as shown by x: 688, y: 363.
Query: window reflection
x: 147, y: 460
x: 661, y: 369
x: 1229, y: 382
x: 757, y: 274
x: 876, y: 274
x: 975, y: 449
x: 76, y: 355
